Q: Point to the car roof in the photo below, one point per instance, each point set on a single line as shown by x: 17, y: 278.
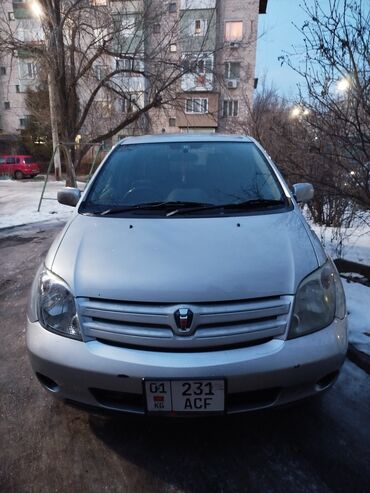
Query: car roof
x: 163, y: 138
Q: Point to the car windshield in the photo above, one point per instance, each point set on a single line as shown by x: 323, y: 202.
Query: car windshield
x: 183, y: 174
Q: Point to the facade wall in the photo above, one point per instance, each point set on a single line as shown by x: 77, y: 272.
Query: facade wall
x: 20, y: 69
x: 241, y: 51
x: 234, y: 90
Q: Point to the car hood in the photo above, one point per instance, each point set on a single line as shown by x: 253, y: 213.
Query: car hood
x: 184, y: 259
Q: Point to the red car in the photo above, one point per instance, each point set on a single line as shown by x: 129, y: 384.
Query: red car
x: 18, y: 166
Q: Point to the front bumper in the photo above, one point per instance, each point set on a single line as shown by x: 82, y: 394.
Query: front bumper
x: 265, y: 375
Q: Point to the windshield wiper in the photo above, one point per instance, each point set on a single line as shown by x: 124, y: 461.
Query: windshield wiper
x: 246, y: 205
x: 151, y: 206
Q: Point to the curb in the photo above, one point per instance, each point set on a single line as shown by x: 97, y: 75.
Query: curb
x: 362, y: 360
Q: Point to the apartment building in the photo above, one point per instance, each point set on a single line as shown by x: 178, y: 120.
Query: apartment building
x: 214, y: 41
x: 17, y: 70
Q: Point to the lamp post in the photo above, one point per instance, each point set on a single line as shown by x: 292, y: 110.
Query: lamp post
x: 39, y: 13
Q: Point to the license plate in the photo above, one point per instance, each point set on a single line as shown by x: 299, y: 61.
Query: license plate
x: 185, y: 396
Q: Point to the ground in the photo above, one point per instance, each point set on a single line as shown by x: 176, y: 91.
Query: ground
x: 317, y: 446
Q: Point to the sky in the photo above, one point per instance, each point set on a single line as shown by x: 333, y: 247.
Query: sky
x: 276, y: 35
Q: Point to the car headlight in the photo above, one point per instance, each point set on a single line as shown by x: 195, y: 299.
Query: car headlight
x: 57, y: 307
x: 319, y: 299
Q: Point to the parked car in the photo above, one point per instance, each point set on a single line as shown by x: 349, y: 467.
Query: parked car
x: 186, y: 282
x: 19, y: 166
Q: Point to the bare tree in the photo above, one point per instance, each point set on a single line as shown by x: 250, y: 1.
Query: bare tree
x: 107, y: 66
x: 336, y: 94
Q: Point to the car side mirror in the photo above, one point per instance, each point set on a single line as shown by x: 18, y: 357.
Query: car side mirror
x: 69, y: 196
x: 303, y: 192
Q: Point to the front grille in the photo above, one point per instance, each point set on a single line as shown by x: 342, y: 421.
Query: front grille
x: 203, y: 349
x: 153, y: 326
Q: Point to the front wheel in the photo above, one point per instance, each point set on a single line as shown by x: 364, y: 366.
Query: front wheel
x: 18, y: 175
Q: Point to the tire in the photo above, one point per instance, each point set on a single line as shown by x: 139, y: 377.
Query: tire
x: 18, y: 175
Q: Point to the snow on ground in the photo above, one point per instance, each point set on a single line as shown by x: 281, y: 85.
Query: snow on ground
x: 19, y: 202
x: 349, y: 243
x: 358, y: 307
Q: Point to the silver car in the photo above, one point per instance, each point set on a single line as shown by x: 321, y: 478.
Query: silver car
x: 186, y: 282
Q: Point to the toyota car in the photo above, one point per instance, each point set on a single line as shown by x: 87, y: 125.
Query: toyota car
x: 187, y: 282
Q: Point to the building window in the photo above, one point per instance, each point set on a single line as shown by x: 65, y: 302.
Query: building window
x: 130, y: 103
x: 172, y: 122
x: 172, y: 7
x: 17, y: 88
x: 196, y: 105
x: 125, y: 64
x: 232, y: 70
x: 23, y: 122
x: 101, y: 71
x: 6, y: 105
x: 233, y: 31
x: 129, y: 64
x: 130, y: 25
x: 230, y: 107
x: 2, y: 70
x: 26, y: 70
x: 198, y: 27
x: 173, y: 47
x: 156, y: 28
x: 11, y: 16
x: 198, y: 64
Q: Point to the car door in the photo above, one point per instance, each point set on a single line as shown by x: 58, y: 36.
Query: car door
x: 11, y: 161
x: 3, y: 166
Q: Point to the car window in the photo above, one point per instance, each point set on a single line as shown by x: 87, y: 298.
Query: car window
x: 2, y: 160
x: 206, y: 172
x: 10, y: 160
x: 28, y: 160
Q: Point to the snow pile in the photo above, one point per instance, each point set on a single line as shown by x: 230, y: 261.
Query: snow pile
x: 349, y: 243
x: 358, y: 307
x: 19, y: 201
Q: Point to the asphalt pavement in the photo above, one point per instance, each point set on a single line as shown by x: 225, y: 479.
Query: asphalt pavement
x: 318, y: 446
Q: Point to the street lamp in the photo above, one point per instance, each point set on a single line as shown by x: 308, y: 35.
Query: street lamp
x: 299, y: 111
x: 343, y: 85
x: 296, y: 111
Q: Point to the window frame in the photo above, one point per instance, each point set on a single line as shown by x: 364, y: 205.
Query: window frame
x: 172, y: 8
x: 203, y: 26
x: 233, y: 39
x: 228, y: 71
x: 230, y: 108
x: 203, y: 105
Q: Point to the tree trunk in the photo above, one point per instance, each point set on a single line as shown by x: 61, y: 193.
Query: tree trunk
x: 54, y: 127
